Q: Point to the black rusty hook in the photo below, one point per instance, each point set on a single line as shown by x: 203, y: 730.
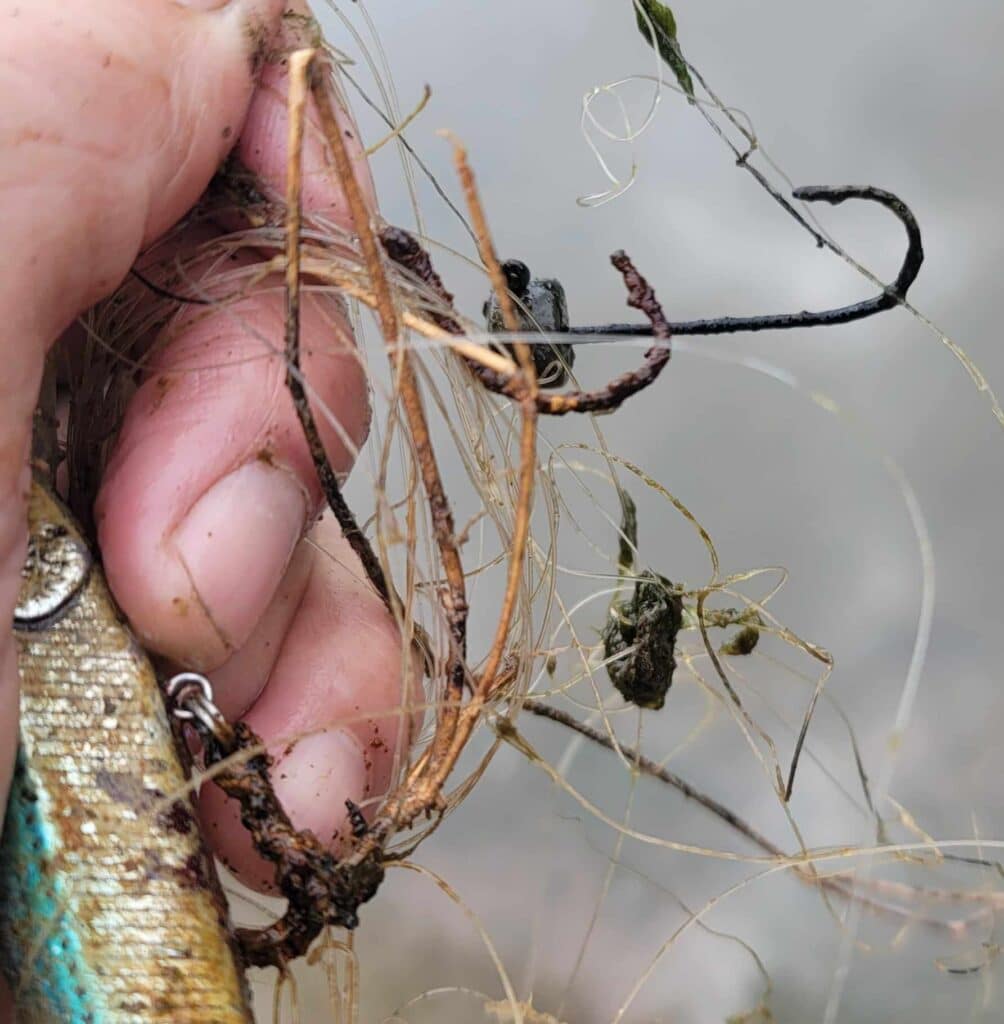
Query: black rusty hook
x: 890, y: 296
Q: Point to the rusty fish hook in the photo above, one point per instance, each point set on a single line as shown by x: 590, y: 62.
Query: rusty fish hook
x: 890, y: 296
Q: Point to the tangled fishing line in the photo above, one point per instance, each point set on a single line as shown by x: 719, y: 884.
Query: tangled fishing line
x: 488, y: 543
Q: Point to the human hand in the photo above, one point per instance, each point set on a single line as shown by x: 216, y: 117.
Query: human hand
x: 114, y: 117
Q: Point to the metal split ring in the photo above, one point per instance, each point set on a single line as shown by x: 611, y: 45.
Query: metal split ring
x: 184, y: 689
x: 190, y: 698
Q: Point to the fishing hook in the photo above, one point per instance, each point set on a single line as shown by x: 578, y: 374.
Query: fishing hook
x: 890, y: 296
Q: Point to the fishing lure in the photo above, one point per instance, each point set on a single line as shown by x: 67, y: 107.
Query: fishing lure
x: 110, y: 907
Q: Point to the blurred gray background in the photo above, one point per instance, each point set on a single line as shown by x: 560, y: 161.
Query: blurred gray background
x: 902, y: 95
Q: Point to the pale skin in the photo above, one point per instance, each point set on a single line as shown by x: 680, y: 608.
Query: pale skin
x: 114, y: 115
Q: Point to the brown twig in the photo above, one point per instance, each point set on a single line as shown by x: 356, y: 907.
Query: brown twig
x: 649, y: 767
x: 320, y: 891
x: 606, y: 399
x: 526, y: 395
x: 321, y: 269
x: 397, y: 129
x: 406, y: 251
x: 439, y: 505
x: 300, y: 65
x: 445, y: 757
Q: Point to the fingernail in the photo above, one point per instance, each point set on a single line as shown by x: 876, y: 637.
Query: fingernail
x: 316, y: 777
x: 236, y: 542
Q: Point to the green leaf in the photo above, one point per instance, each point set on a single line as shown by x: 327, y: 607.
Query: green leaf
x: 629, y: 534
x: 665, y: 43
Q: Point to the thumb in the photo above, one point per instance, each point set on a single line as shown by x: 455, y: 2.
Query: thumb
x: 114, y: 116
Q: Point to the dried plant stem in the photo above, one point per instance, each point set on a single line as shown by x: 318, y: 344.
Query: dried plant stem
x: 318, y: 890
x: 455, y: 598
x: 405, y: 250
x: 442, y: 764
x: 649, y: 767
x: 359, y: 211
x: 322, y: 270
x: 396, y: 131
x: 842, y: 883
x: 527, y: 397
x: 480, y: 224
x: 422, y: 790
x: 300, y: 64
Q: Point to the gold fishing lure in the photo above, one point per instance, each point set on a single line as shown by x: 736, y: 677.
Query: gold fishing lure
x: 110, y: 907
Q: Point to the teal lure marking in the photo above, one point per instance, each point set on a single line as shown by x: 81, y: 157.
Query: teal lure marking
x: 37, y: 919
x: 36, y: 913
